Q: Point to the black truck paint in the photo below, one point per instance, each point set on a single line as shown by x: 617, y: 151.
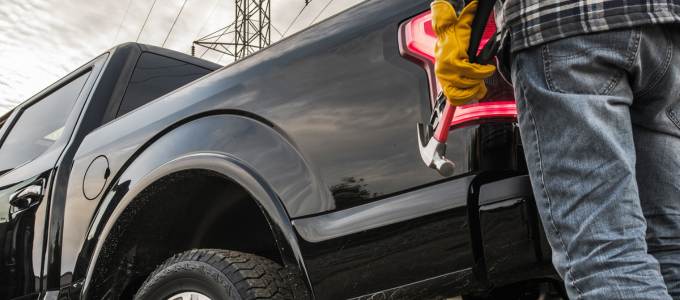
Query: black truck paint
x: 28, y: 232
x: 305, y: 153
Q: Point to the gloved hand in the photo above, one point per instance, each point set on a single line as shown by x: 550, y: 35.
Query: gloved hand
x: 461, y: 80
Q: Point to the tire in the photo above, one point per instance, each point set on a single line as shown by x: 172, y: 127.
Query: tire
x: 218, y: 275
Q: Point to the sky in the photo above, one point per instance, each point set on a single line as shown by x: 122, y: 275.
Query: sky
x: 43, y: 40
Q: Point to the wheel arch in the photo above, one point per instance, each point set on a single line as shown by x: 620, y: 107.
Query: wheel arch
x: 232, y: 169
x: 154, y: 163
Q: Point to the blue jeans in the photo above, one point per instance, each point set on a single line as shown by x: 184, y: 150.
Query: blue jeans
x: 599, y: 116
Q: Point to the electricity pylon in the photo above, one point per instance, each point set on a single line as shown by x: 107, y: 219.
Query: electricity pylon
x: 250, y: 31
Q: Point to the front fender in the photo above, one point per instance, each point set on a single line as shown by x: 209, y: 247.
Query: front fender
x: 245, y: 150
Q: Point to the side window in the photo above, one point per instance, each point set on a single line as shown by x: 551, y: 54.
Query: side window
x: 155, y: 76
x: 40, y: 125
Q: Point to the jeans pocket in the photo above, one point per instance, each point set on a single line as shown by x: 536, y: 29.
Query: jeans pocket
x: 591, y: 63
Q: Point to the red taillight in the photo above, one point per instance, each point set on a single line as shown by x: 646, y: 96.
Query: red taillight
x: 420, y: 38
x: 417, y: 43
x: 471, y: 113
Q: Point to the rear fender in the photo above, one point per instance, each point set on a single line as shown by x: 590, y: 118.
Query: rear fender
x: 246, y: 151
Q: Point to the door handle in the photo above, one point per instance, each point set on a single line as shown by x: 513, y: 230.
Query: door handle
x: 28, y: 196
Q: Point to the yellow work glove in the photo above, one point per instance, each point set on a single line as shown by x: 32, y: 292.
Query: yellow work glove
x: 461, y: 80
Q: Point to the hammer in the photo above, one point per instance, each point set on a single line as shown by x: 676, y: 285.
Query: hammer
x: 432, y: 139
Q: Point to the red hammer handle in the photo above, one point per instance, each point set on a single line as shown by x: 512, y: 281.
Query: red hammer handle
x: 441, y: 134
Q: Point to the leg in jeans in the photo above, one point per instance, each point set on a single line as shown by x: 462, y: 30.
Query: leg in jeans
x: 656, y: 127
x: 574, y: 98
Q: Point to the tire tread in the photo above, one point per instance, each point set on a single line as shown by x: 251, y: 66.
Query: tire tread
x: 254, y: 277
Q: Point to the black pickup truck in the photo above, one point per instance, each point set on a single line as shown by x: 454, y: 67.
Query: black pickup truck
x: 292, y: 174
x: 39, y: 139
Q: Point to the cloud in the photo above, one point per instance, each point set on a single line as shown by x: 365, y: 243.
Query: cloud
x: 43, y: 40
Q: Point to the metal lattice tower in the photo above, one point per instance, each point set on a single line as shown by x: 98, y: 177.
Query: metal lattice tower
x: 250, y: 31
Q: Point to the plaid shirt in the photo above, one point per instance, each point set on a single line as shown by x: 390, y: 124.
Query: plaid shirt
x: 533, y: 22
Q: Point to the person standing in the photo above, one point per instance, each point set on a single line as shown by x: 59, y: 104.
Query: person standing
x: 597, y: 84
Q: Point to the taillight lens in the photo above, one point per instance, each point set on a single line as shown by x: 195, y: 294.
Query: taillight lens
x: 420, y: 38
x: 417, y: 42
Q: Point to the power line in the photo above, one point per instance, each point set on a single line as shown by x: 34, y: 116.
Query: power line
x: 225, y: 32
x: 295, y: 19
x: 127, y: 9
x: 277, y: 30
x: 322, y: 10
x: 146, y: 20
x: 205, y: 22
x: 173, y: 23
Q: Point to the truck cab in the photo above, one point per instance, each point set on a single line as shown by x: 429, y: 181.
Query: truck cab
x: 39, y: 137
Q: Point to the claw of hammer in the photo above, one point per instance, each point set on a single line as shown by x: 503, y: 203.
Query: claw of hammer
x: 433, y: 149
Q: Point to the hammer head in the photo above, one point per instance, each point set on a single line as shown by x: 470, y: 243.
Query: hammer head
x: 433, y: 152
